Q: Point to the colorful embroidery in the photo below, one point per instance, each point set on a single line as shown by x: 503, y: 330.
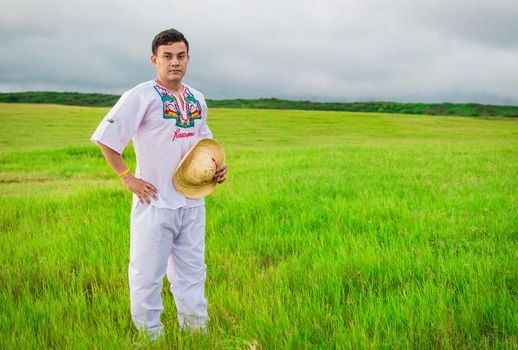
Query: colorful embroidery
x: 171, y: 108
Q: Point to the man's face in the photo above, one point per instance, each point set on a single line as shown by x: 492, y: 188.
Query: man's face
x: 171, y: 62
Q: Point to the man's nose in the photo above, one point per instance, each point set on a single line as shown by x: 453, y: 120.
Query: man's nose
x: 175, y: 61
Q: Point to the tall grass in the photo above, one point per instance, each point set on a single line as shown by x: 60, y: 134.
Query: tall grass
x: 334, y: 230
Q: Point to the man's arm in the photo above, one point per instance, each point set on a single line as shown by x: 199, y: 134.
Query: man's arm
x: 141, y: 188
x: 221, y: 169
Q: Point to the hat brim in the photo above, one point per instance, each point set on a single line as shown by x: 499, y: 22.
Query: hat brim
x: 181, y: 181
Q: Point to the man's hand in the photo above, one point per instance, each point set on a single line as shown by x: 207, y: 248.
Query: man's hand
x: 221, y: 174
x: 141, y: 188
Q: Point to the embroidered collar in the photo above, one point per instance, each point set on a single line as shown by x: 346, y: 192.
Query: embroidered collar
x: 165, y: 93
x: 171, y: 108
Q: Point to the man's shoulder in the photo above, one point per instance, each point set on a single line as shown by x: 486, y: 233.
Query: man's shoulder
x: 144, y: 88
x: 142, y: 93
x: 197, y: 94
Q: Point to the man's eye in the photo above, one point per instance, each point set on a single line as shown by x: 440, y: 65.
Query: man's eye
x: 181, y: 57
x: 167, y: 57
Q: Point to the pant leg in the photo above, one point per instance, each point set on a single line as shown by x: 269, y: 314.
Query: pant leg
x: 187, y: 270
x: 150, y: 246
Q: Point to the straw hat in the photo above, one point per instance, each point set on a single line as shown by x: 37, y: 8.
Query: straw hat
x: 193, y: 176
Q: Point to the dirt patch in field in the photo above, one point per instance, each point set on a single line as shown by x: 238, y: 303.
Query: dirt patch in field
x: 19, y: 180
x: 20, y: 187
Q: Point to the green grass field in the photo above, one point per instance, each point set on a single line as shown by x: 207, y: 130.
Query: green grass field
x: 334, y: 230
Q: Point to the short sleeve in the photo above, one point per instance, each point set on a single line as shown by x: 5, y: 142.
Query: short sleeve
x: 119, y: 125
x: 204, y: 129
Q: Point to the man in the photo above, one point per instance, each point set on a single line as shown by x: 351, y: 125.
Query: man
x: 164, y: 117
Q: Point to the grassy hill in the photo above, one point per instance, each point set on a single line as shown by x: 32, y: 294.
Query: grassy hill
x: 104, y: 100
x: 335, y: 230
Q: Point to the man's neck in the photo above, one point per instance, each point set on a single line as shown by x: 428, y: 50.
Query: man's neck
x: 176, y: 88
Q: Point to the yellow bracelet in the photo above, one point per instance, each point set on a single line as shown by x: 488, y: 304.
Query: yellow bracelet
x: 124, y: 173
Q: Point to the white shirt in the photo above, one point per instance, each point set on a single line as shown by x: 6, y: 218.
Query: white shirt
x: 162, y: 134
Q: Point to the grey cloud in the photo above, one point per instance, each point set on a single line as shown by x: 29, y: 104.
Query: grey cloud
x: 490, y: 23
x: 328, y: 51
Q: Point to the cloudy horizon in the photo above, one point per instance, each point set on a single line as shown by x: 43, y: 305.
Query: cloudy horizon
x: 421, y: 51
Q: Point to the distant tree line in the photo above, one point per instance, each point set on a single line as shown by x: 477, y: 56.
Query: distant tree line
x: 106, y: 100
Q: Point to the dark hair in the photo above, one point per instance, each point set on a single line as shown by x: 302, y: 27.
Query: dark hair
x: 168, y: 36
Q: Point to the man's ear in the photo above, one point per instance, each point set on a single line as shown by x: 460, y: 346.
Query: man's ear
x: 153, y: 59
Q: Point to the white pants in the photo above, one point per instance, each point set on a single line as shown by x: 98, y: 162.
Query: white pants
x: 172, y: 241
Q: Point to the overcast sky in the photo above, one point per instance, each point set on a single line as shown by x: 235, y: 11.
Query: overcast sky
x: 349, y: 50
